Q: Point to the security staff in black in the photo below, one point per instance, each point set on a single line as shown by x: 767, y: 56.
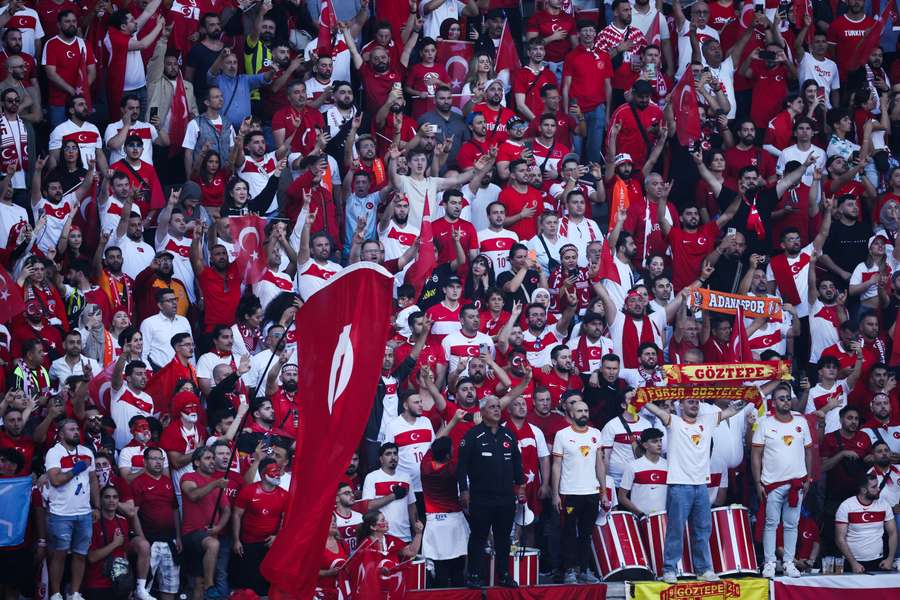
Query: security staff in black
x: 490, y: 481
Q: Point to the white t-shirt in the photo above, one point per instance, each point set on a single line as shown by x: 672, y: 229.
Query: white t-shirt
x: 545, y: 254
x: 87, y: 136
x: 890, y: 491
x: 684, y: 45
x: 645, y: 21
x: 378, y: 483
x: 689, y: 448
x: 125, y: 404
x: 74, y: 497
x: 799, y: 266
x: 822, y: 330
x: 11, y: 216
x: 413, y: 441
x: 132, y: 458
x: 725, y: 74
x: 416, y: 191
x: 181, y: 261
x: 890, y: 435
x: 595, y: 350
x: 311, y: 276
x: 57, y: 215
x: 819, y: 397
x: 135, y: 76
x: 207, y: 363
x: 647, y: 483
x: 111, y: 213
x: 496, y: 245
x: 824, y: 72
x: 28, y: 22
x: 658, y: 322
x: 865, y: 526
x: 397, y: 239
x: 478, y: 202
x: 146, y: 131
x: 450, y: 9
x: 614, y: 437
x: 136, y: 256
x: 784, y: 445
x: 192, y: 132
x: 794, y: 153
x: 538, y: 347
x: 458, y: 345
x: 578, y: 451
x: 728, y: 439
x: 257, y: 172
x: 863, y: 273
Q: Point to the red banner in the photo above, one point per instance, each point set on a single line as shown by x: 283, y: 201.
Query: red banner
x: 837, y: 587
x: 344, y: 329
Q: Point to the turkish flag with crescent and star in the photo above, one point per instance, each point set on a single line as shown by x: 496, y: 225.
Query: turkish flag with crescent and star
x: 178, y: 117
x: 327, y: 28
x: 507, y: 58
x: 870, y: 41
x: 344, y: 329
x: 247, y: 234
x: 455, y: 56
x: 12, y: 299
x: 687, y: 115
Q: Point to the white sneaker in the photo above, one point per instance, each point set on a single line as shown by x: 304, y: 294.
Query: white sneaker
x: 768, y: 570
x: 141, y: 593
x: 709, y: 576
x: 791, y: 570
x: 56, y: 596
x: 76, y: 596
x: 571, y: 577
x: 667, y: 578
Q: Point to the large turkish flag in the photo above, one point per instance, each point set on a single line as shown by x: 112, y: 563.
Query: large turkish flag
x: 344, y: 328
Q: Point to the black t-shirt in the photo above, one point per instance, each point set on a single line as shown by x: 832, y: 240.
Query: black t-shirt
x: 728, y: 274
x: 531, y: 282
x: 201, y: 59
x: 848, y: 245
x: 433, y: 290
x: 766, y: 200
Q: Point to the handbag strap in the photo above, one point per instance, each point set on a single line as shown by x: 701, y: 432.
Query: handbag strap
x: 540, y: 237
x: 547, y: 158
x: 640, y: 125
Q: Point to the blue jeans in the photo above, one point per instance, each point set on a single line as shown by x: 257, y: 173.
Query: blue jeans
x: 687, y: 503
x: 595, y: 121
x: 72, y: 533
x: 57, y: 114
x: 222, y: 561
x: 778, y: 510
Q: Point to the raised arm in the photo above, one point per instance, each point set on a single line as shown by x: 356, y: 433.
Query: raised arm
x: 303, y: 252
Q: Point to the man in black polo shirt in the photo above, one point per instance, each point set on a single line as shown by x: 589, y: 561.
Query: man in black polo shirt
x: 490, y: 478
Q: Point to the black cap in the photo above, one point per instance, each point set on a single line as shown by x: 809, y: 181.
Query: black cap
x: 642, y: 88
x: 496, y: 13
x: 453, y: 279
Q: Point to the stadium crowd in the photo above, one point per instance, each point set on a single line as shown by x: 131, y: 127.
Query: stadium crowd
x: 563, y: 218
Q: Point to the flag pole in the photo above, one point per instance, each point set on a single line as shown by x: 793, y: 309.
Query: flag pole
x: 278, y: 348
